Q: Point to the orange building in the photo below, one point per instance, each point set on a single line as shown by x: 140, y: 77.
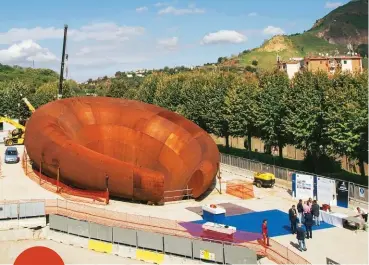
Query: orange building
x: 333, y: 63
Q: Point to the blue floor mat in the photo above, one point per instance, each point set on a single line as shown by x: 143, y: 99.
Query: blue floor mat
x: 278, y: 222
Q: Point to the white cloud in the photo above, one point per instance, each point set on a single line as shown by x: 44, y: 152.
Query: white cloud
x: 224, y: 36
x: 96, y: 31
x: 181, y: 11
x: 159, y: 4
x: 271, y: 30
x: 100, y: 48
x: 332, y: 5
x: 105, y: 32
x: 27, y: 50
x: 169, y: 43
x: 141, y: 9
x: 253, y: 14
x: 38, y: 33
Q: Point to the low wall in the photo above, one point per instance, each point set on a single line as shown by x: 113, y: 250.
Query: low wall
x: 145, y: 245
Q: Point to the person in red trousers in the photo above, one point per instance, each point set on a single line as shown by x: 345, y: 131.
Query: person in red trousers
x: 264, y: 229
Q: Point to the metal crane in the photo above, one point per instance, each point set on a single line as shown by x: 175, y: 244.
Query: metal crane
x: 60, y: 93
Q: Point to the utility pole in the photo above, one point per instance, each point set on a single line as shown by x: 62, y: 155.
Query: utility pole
x: 62, y: 63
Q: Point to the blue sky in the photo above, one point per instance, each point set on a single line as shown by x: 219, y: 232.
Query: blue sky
x: 121, y: 35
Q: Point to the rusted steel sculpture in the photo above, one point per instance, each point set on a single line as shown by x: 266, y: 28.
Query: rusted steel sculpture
x: 144, y: 149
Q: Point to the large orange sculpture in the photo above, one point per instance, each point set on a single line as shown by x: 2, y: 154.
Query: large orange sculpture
x: 144, y: 149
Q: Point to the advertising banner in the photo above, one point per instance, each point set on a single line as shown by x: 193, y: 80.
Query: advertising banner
x: 304, y: 186
x: 326, y: 191
x: 342, y: 194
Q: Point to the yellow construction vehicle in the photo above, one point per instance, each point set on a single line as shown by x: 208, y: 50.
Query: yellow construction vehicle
x: 264, y: 179
x: 17, y: 135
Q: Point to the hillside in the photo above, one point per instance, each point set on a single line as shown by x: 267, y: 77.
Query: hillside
x: 346, y: 24
x: 297, y: 45
x: 36, y: 77
x: 350, y: 23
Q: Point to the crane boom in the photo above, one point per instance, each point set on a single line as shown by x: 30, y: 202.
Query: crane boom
x: 29, y: 105
x: 10, y: 121
x: 61, y: 78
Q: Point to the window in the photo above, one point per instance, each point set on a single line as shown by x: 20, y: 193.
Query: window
x: 344, y: 62
x: 11, y: 152
x: 1, y: 126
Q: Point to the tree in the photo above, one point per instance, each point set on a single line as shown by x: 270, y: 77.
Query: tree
x: 271, y: 114
x: 347, y: 104
x: 11, y: 103
x: 217, y: 116
x: 306, y: 114
x: 194, y: 99
x: 49, y: 92
x: 147, y: 90
x: 243, y: 107
x: 168, y: 92
x: 118, y: 88
x: 255, y: 62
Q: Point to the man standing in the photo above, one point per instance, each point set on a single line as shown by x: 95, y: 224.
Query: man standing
x: 363, y: 214
x: 300, y: 210
x: 300, y: 235
x: 315, y: 210
x: 293, y: 219
x: 309, y: 224
x: 264, y: 229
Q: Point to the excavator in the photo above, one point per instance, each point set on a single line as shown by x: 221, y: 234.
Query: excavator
x: 16, y: 137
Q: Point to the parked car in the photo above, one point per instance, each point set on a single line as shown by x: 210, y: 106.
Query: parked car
x: 11, y: 155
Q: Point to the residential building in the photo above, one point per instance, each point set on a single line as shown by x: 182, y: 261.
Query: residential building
x: 291, y: 67
x: 329, y: 64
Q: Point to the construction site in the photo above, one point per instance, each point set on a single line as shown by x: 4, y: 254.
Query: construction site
x: 118, y: 181
x: 92, y: 193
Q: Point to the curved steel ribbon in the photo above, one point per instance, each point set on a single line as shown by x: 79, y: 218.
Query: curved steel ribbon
x: 144, y: 149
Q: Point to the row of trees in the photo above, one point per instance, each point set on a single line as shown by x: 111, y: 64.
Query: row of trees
x: 12, y: 92
x: 324, y: 116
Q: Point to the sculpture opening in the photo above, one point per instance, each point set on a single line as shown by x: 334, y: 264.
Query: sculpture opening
x: 144, y: 149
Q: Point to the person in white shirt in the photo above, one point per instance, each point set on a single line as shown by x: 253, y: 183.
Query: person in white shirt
x: 363, y: 213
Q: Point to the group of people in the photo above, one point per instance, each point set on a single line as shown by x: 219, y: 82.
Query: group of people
x: 302, y: 218
x: 306, y: 214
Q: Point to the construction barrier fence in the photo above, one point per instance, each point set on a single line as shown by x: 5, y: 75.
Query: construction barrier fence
x: 39, y: 176
x: 152, y: 246
x: 56, y: 186
x: 356, y: 192
x: 101, y: 225
x: 241, y: 189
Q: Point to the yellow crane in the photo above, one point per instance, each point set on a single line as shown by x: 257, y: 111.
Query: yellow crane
x: 16, y: 136
x: 29, y: 105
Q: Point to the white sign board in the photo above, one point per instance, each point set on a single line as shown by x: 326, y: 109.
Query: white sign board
x: 304, y: 186
x: 206, y: 255
x: 326, y: 191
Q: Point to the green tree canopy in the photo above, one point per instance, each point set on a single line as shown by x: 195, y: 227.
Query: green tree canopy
x: 272, y: 111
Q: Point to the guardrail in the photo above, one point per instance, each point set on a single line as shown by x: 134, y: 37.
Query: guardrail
x: 356, y: 192
x: 98, y: 220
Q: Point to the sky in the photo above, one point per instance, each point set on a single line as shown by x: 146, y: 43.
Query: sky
x: 120, y: 35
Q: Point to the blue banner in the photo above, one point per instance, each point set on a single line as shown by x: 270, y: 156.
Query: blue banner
x: 342, y: 193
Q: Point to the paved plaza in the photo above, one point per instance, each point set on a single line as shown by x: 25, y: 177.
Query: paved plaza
x: 339, y: 244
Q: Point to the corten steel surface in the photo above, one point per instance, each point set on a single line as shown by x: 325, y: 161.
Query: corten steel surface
x: 144, y: 149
